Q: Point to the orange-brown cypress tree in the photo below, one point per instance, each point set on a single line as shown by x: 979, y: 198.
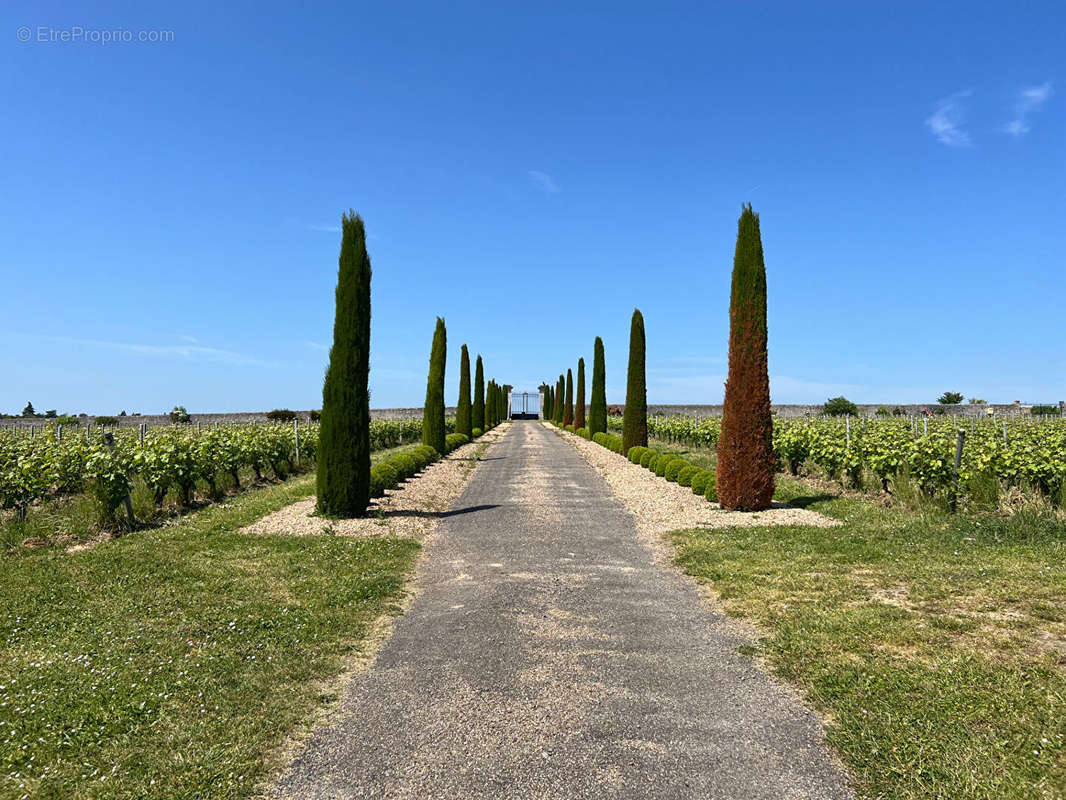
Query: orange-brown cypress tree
x: 745, y: 448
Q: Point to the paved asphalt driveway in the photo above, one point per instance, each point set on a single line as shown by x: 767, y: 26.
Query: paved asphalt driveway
x: 548, y: 656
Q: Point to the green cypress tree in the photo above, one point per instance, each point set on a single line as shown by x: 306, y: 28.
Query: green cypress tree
x: 745, y: 480
x: 343, y: 473
x: 560, y: 400
x: 433, y: 432
x: 598, y: 406
x: 579, y: 403
x: 549, y: 403
x: 463, y: 410
x: 489, y: 395
x: 635, y: 417
x: 478, y: 410
x: 568, y: 409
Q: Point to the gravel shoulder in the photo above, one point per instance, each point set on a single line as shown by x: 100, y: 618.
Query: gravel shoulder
x: 659, y: 506
x: 411, y: 510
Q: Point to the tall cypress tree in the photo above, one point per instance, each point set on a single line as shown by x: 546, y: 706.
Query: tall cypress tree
x: 598, y: 406
x: 635, y: 417
x: 745, y: 480
x: 433, y: 412
x: 463, y: 410
x: 579, y: 403
x: 549, y: 406
x: 568, y: 409
x: 560, y: 400
x: 490, y: 400
x: 343, y: 473
x: 478, y: 410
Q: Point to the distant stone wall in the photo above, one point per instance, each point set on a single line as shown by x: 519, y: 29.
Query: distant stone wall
x: 153, y: 420
x: 865, y: 409
x: 784, y: 411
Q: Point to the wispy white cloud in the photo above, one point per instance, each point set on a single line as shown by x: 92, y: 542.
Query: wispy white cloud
x: 1030, y: 100
x: 947, y: 120
x: 324, y: 348
x: 320, y: 228
x: 543, y: 181
x: 188, y: 352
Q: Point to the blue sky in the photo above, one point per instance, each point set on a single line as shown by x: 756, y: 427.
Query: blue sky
x: 169, y: 211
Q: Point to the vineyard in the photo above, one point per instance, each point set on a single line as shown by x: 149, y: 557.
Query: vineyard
x: 62, y: 461
x: 1020, y: 453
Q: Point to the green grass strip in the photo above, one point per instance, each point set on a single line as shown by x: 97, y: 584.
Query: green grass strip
x: 168, y: 662
x: 935, y: 646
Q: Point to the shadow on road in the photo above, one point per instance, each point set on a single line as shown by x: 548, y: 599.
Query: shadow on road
x: 439, y: 514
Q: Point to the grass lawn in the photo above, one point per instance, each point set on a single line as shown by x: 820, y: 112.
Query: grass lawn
x: 168, y: 662
x: 935, y: 646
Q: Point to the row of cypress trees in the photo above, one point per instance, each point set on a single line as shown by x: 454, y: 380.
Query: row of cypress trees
x: 561, y: 406
x: 746, y: 465
x: 343, y: 469
x: 495, y: 404
x: 484, y: 410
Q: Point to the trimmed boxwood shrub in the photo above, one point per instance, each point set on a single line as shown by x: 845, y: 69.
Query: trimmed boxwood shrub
x: 610, y: 441
x: 647, y: 457
x: 711, y: 492
x: 425, y: 454
x: 382, y: 477
x: 673, y: 468
x: 684, y: 477
x: 405, y: 464
x: 568, y: 428
x: 635, y: 452
x: 663, y: 463
x: 584, y: 433
x: 454, y: 440
x: 477, y: 432
x: 700, y: 481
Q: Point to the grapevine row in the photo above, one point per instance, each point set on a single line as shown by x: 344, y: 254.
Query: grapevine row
x: 59, y: 462
x: 1018, y: 453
